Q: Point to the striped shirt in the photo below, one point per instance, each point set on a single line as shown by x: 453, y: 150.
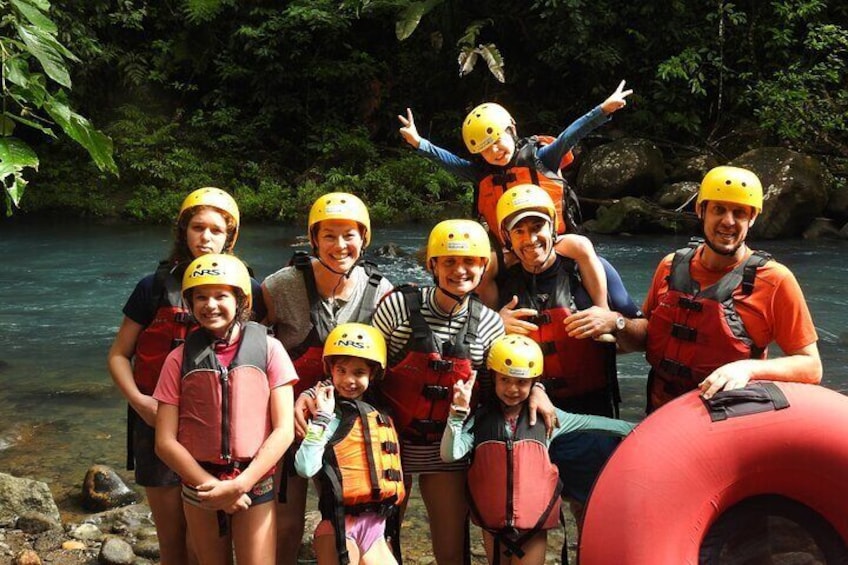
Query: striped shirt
x: 392, y: 319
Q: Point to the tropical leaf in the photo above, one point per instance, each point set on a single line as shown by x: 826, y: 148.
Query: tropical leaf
x: 469, y: 38
x: 200, y: 11
x: 15, y: 155
x: 494, y: 59
x: 49, y: 52
x: 78, y: 128
x: 16, y: 71
x: 411, y: 16
x: 34, y: 13
x: 467, y: 59
x: 31, y: 123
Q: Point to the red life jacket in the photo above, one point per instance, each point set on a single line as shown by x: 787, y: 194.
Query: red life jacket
x: 514, y: 489
x: 308, y: 356
x: 418, y: 389
x: 169, y: 327
x: 692, y: 332
x: 580, y: 374
x: 362, y: 470
x: 526, y: 168
x: 225, y: 412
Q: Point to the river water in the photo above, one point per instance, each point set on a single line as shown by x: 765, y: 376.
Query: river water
x: 62, y: 287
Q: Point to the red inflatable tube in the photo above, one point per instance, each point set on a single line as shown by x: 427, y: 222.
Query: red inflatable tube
x: 679, y: 471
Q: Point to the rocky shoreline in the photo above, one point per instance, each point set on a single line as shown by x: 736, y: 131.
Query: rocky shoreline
x: 33, y: 531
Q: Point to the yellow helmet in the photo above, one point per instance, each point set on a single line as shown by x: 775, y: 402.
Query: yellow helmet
x: 216, y: 198
x: 732, y: 184
x: 217, y: 268
x: 356, y: 340
x: 516, y: 356
x: 458, y: 238
x: 341, y: 206
x: 522, y: 201
x: 484, y: 125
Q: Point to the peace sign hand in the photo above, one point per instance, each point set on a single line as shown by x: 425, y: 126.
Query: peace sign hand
x: 409, y: 132
x: 616, y: 100
x: 462, y: 391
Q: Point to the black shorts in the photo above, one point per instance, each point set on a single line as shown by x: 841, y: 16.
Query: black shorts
x: 150, y: 471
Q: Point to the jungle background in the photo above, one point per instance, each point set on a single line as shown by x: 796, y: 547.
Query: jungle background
x: 279, y: 101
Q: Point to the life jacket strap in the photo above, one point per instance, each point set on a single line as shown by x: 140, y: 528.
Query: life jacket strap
x: 683, y: 332
x: 435, y: 392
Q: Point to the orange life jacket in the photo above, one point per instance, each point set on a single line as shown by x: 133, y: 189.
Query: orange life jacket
x: 166, y: 331
x: 362, y: 470
x: 224, y: 413
x: 513, y: 487
x: 579, y: 374
x: 308, y: 356
x: 526, y: 168
x: 692, y: 332
x: 418, y: 389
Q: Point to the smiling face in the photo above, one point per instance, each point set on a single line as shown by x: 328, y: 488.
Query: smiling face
x: 206, y: 232
x: 458, y: 275
x: 351, y: 376
x: 214, y: 307
x: 726, y: 226
x: 338, y: 244
x: 532, y: 242
x: 512, y: 391
x: 500, y: 152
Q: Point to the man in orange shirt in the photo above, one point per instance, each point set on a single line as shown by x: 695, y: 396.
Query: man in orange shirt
x: 714, y: 308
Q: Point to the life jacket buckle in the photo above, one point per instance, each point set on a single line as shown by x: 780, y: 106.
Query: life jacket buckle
x: 689, y: 304
x: 389, y: 447
x: 182, y: 317
x: 441, y: 365
x: 393, y: 475
x: 540, y: 319
x: 684, y: 332
x: 675, y: 369
x: 548, y: 348
x: 435, y: 392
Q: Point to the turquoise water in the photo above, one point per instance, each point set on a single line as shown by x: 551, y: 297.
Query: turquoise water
x: 62, y: 287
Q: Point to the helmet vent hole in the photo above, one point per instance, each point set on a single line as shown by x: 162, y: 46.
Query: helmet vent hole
x: 531, y: 364
x: 508, y: 362
x: 489, y: 131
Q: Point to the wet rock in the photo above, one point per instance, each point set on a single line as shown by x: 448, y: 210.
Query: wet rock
x: 795, y: 188
x: 636, y: 215
x: 821, y: 227
x: 675, y: 195
x: 86, y: 532
x: 390, y: 250
x: 837, y: 208
x: 103, y: 489
x: 148, y: 548
x: 19, y: 496
x: 116, y: 551
x: 627, y: 167
x: 35, y: 523
x: 73, y: 545
x: 27, y: 557
x: 49, y: 541
x: 693, y: 169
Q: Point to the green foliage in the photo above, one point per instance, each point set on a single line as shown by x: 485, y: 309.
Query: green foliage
x: 28, y: 35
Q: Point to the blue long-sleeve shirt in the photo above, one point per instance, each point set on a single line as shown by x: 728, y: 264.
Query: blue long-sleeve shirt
x: 551, y: 155
x: 458, y: 438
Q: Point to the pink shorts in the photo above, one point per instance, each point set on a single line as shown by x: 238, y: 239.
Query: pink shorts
x: 362, y: 529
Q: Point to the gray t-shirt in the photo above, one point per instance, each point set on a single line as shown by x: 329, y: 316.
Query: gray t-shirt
x: 287, y: 289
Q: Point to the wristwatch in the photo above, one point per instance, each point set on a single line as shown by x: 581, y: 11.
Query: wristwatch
x: 620, y: 322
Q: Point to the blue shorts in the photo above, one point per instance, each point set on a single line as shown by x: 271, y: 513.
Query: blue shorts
x: 580, y: 456
x: 150, y: 471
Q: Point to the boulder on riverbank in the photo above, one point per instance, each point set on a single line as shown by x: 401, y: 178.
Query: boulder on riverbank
x: 626, y: 167
x: 22, y: 496
x: 103, y: 489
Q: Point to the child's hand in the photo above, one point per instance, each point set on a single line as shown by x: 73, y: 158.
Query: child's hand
x: 216, y: 494
x: 325, y: 401
x: 616, y: 101
x: 304, y: 407
x: 243, y: 503
x: 462, y: 391
x: 408, y: 131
